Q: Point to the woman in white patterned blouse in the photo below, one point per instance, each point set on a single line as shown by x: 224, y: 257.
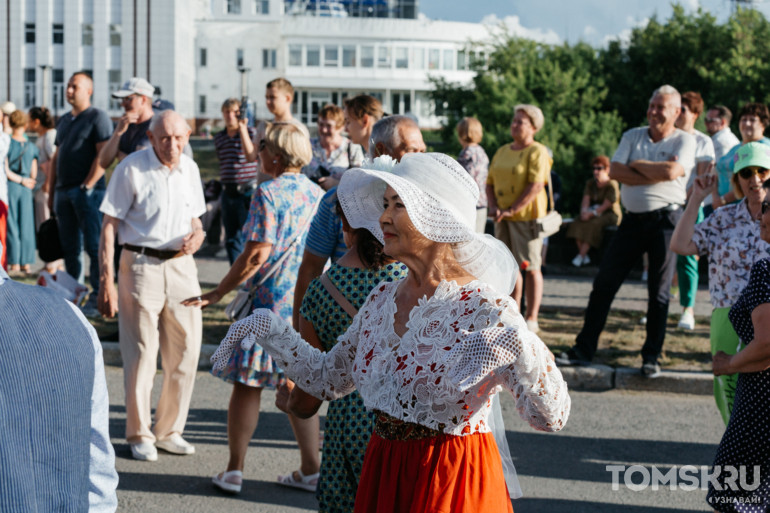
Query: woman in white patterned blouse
x: 428, y: 353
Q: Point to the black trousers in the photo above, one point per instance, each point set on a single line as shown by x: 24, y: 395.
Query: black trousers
x: 638, y: 234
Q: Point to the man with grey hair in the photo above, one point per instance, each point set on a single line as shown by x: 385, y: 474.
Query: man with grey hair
x: 652, y: 164
x: 153, y: 203
x: 396, y: 136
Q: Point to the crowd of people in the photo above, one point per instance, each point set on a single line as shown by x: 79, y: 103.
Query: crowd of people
x: 366, y: 277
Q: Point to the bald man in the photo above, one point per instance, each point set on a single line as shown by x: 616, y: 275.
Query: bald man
x: 76, y: 182
x: 153, y: 203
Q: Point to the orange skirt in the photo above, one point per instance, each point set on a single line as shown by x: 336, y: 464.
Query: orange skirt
x: 440, y: 474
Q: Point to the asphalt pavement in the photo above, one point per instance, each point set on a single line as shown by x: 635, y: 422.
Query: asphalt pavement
x: 559, y: 472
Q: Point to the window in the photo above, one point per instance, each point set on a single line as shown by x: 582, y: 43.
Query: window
x: 202, y: 103
x: 402, y: 58
x: 202, y: 58
x: 418, y: 58
x: 88, y: 35
x: 462, y: 59
x: 295, y: 55
x: 383, y: 57
x: 313, y: 55
x: 29, y: 87
x: 29, y: 32
x: 58, y: 33
x: 268, y: 58
x: 367, y: 56
x: 433, y: 56
x: 58, y: 88
x: 331, y: 56
x: 261, y: 7
x: 479, y: 60
x: 239, y: 57
x: 233, y: 7
x: 349, y: 56
x: 449, y: 59
x: 115, y: 35
x: 113, y: 79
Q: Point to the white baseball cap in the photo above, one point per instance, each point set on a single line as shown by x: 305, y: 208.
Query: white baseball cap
x: 135, y: 85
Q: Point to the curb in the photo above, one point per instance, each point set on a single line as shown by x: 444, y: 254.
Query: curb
x: 587, y: 378
x: 602, y: 377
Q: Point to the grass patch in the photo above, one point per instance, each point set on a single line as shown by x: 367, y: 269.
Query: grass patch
x: 623, y: 338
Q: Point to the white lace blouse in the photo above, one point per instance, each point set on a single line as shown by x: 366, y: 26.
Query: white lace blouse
x: 461, y: 347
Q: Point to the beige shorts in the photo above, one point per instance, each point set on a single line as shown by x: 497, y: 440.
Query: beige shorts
x: 524, y: 243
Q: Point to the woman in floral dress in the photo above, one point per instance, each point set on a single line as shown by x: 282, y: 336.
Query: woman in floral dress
x: 280, y: 212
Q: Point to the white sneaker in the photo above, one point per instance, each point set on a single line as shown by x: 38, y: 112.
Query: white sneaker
x: 144, y: 451
x: 577, y: 261
x: 586, y: 260
x: 687, y: 321
x: 175, y: 444
x: 532, y: 326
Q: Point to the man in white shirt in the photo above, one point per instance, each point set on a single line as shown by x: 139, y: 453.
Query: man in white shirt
x: 652, y: 164
x: 153, y: 203
x: 718, y: 126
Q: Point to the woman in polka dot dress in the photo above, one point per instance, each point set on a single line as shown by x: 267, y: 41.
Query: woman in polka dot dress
x: 322, y: 320
x: 745, y: 445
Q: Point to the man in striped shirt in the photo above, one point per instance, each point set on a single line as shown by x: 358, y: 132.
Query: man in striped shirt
x: 238, y: 177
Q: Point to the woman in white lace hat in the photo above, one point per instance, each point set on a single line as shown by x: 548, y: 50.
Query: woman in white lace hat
x: 429, y: 353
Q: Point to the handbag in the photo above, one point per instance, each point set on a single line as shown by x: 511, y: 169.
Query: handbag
x: 48, y: 243
x: 240, y: 307
x: 550, y: 223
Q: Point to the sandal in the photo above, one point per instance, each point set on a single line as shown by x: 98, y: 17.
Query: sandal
x: 307, y: 483
x: 229, y: 482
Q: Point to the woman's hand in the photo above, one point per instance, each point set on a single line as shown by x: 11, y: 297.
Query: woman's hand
x: 721, y: 363
x: 204, y: 300
x: 585, y: 215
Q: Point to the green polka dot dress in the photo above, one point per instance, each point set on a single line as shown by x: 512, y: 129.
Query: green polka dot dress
x: 348, y: 424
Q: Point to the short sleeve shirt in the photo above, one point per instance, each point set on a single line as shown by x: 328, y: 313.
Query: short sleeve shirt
x: 598, y: 195
x: 325, y: 238
x: 20, y: 157
x: 511, y: 171
x: 636, y: 144
x: 155, y: 204
x: 337, y: 162
x: 76, y: 140
x: 704, y: 152
x: 730, y: 238
x: 233, y: 166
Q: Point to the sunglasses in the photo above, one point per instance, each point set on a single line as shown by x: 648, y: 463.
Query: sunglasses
x: 748, y: 172
x: 713, y: 120
x: 599, y: 168
x: 765, y: 207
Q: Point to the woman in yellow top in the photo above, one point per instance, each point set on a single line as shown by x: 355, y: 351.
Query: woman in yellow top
x: 517, y: 196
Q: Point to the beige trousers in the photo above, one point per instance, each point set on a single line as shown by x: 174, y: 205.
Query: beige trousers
x: 151, y: 316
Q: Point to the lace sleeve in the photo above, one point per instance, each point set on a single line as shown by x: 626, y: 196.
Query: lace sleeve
x: 519, y: 361
x: 326, y: 376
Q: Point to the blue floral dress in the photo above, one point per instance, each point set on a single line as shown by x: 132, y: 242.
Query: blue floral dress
x: 348, y: 425
x: 279, y: 208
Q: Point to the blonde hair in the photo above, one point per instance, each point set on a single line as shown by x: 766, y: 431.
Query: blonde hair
x: 469, y: 130
x: 17, y: 119
x: 231, y: 104
x: 287, y: 142
x: 534, y: 114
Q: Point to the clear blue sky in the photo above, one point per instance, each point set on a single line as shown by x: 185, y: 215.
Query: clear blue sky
x: 593, y: 21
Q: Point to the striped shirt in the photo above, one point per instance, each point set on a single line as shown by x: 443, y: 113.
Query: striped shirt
x: 233, y: 168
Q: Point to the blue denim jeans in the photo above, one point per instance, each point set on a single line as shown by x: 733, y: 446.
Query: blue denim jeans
x: 235, y: 211
x: 80, y: 225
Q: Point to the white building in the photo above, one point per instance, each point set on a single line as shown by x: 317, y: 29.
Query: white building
x: 193, y: 51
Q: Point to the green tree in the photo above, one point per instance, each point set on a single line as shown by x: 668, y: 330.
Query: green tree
x: 564, y: 81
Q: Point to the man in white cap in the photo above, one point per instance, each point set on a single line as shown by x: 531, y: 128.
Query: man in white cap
x: 130, y: 134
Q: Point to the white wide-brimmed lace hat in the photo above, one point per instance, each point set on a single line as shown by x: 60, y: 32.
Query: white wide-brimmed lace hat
x: 440, y: 198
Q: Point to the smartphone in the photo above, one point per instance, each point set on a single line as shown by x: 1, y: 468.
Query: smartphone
x: 244, y: 107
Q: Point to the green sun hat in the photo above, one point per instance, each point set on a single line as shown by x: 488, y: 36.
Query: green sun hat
x: 752, y: 154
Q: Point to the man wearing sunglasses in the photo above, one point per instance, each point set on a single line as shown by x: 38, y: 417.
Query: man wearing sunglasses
x: 652, y: 164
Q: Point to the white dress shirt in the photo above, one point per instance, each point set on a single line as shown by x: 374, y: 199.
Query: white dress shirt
x: 155, y: 204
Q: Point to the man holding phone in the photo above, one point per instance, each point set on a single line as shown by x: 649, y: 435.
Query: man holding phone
x: 237, y: 174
